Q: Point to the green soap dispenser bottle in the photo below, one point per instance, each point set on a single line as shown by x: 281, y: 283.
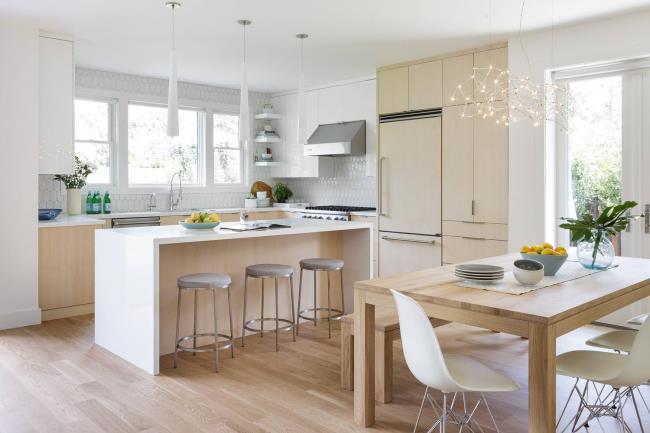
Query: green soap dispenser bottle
x: 107, y: 203
x: 97, y: 203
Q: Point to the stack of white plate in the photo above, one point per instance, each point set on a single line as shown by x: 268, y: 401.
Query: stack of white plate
x: 477, y: 272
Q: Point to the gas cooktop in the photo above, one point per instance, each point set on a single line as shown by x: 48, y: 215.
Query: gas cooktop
x: 332, y: 208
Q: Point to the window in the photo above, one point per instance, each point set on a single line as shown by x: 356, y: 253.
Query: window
x: 153, y: 156
x: 94, y: 137
x: 227, y: 149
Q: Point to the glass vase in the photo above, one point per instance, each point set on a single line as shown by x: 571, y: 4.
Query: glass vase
x: 604, y: 254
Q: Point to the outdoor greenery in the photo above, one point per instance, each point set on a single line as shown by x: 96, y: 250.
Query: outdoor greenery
x: 595, y: 144
x: 77, y: 180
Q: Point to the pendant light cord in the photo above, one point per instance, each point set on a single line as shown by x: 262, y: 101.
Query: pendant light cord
x: 521, y: 34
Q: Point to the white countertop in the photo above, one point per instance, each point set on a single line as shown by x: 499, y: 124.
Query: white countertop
x: 64, y: 220
x: 174, y: 234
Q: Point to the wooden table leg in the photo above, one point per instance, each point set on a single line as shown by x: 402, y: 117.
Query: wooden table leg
x: 364, y: 360
x: 541, y: 378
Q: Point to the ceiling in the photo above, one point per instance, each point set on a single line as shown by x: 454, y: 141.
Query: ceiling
x: 348, y: 38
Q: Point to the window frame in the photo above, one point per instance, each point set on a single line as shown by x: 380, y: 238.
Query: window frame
x: 200, y: 151
x: 119, y: 159
x: 240, y: 146
x: 112, y: 138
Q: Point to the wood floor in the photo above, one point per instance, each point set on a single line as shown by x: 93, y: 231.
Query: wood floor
x: 53, y: 379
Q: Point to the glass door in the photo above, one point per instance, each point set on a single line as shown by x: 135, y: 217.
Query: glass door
x: 603, y: 156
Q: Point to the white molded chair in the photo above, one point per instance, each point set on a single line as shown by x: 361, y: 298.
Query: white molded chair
x: 619, y: 340
x: 450, y: 374
x: 639, y: 320
x: 623, y: 373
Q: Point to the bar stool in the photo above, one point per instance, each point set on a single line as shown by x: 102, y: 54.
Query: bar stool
x: 323, y: 265
x: 196, y: 283
x: 264, y: 272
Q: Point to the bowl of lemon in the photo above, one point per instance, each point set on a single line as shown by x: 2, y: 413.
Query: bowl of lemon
x: 201, y: 221
x: 551, y: 257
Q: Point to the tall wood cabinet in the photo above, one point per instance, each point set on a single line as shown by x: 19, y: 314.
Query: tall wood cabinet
x: 473, y: 202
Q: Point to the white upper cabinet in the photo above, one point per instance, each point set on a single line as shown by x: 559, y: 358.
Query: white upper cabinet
x: 56, y: 105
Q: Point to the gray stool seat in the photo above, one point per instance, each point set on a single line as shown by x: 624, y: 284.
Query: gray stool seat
x: 204, y: 281
x: 269, y: 271
x: 322, y: 264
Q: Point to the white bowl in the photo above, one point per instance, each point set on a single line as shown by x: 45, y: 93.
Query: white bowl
x: 528, y: 272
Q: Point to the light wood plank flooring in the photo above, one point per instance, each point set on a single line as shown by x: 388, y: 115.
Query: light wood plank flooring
x: 53, y: 379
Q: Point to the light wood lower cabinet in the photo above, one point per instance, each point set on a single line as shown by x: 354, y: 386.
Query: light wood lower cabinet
x: 66, y: 270
x: 463, y: 249
x: 407, y: 253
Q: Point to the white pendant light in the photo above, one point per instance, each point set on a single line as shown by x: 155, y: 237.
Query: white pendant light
x: 301, y: 83
x: 244, y: 116
x: 172, y: 93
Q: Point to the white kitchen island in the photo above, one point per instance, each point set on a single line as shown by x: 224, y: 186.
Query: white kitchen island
x: 136, y: 271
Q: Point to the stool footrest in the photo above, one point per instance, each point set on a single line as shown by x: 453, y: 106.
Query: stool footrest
x: 228, y: 344
x: 289, y: 325
x: 337, y: 314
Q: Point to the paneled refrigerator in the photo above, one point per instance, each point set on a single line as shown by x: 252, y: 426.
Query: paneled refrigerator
x: 410, y: 192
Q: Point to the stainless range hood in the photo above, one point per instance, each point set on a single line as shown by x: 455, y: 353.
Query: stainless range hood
x: 338, y: 139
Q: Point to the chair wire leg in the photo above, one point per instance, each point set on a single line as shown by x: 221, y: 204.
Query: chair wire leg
x: 299, y: 299
x: 293, y: 312
x: 636, y: 409
x: 489, y: 411
x: 559, y: 420
x: 417, y: 420
x: 443, y: 423
x: 178, y: 320
x: 216, y: 332
x: 243, y: 328
x: 643, y: 399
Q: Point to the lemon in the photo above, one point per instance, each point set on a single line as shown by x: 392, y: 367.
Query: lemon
x: 546, y: 245
x: 189, y: 220
x: 547, y: 252
x: 561, y: 251
x: 525, y: 249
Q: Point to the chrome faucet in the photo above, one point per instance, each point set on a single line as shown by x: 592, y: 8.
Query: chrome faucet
x: 152, y: 202
x: 173, y: 203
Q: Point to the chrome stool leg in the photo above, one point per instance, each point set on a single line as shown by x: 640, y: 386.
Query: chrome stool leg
x: 293, y: 312
x: 315, y: 300
x: 232, y: 332
x: 277, y: 323
x: 243, y: 327
x: 178, y: 321
x: 216, y: 331
x: 329, y: 307
x: 311, y: 314
x: 262, y: 321
x: 297, y: 319
x: 194, y: 343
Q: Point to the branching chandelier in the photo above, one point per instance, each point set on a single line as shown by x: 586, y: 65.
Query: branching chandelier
x: 494, y: 93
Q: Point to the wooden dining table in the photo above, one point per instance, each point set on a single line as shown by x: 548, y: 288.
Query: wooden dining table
x: 541, y: 316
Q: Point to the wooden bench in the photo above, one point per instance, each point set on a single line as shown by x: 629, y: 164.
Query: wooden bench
x: 386, y: 331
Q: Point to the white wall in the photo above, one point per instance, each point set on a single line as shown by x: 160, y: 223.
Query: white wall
x: 349, y: 180
x: 18, y: 175
x: 532, y: 183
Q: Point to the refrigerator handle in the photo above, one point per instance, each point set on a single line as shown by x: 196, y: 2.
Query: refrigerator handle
x: 381, y: 186
x: 400, y: 239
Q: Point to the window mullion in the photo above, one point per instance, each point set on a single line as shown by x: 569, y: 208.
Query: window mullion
x: 209, y: 148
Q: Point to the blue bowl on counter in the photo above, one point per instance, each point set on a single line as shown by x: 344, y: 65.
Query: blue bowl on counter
x: 552, y: 264
x: 198, y: 226
x: 48, y: 214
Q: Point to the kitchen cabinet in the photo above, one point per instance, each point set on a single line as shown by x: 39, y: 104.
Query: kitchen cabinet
x: 66, y: 270
x: 410, y: 176
x: 464, y: 249
x: 407, y: 253
x: 393, y: 90
x: 475, y: 168
x: 375, y: 240
x: 490, y: 171
x: 457, y: 70
x: 425, y: 85
x: 410, y: 88
x: 56, y: 105
x: 497, y: 58
x: 457, y: 165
